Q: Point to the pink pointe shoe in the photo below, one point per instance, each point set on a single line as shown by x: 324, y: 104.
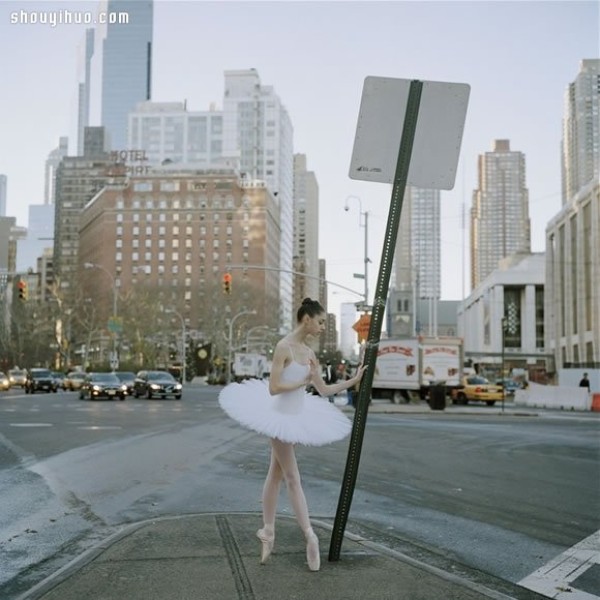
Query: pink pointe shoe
x: 267, y: 539
x: 313, y: 556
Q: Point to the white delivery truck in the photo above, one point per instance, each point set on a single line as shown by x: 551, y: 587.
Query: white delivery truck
x: 396, y: 369
x: 441, y: 361
x: 413, y: 364
x: 248, y: 365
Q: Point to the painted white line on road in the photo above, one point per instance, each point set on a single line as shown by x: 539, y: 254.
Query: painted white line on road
x: 555, y: 578
x: 31, y: 424
x: 100, y: 427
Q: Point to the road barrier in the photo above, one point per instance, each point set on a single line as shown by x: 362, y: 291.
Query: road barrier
x: 554, y: 396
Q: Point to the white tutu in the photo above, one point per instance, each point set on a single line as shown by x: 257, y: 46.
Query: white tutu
x: 295, y: 417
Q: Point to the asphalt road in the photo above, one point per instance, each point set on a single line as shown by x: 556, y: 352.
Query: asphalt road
x: 482, y: 494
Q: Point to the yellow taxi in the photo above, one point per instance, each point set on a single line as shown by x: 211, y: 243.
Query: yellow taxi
x: 474, y: 388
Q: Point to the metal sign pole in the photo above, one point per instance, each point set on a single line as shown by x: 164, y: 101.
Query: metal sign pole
x: 381, y: 293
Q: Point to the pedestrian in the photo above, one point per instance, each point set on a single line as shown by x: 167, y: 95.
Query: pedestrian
x: 585, y: 382
x: 330, y: 377
x: 282, y: 410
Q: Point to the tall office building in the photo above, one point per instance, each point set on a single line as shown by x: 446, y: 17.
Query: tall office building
x: 121, y: 67
x: 417, y: 271
x: 500, y: 224
x: 306, y: 232
x: 78, y: 180
x: 580, y: 148
x: 572, y: 298
x: 167, y: 131
x: 50, y: 168
x: 258, y: 130
x: 3, y: 180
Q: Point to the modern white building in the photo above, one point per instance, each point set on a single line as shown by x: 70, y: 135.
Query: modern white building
x: 258, y: 130
x: 573, y: 276
x: 500, y: 224
x: 504, y: 316
x: 121, y: 67
x: 306, y: 232
x: 168, y: 132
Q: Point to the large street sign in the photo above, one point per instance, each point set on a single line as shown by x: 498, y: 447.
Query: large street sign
x: 408, y: 133
x: 436, y: 146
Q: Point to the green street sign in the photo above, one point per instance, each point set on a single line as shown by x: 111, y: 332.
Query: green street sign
x: 115, y: 325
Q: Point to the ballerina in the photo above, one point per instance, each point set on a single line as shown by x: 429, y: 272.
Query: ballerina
x: 288, y: 415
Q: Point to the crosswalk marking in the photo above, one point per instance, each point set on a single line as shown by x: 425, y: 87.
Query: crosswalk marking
x: 555, y: 579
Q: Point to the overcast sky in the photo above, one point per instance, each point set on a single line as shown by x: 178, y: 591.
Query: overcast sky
x: 518, y: 58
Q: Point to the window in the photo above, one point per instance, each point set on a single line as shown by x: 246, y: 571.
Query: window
x: 142, y: 186
x: 169, y: 186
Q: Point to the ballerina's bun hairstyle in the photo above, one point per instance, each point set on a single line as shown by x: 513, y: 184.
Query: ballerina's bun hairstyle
x: 309, y: 307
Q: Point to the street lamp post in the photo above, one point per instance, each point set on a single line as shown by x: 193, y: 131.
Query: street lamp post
x: 115, y: 357
x: 182, y: 348
x: 230, y: 339
x: 363, y: 223
x: 257, y: 328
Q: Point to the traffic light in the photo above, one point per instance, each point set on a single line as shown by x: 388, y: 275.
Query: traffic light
x: 23, y: 292
x: 227, y: 283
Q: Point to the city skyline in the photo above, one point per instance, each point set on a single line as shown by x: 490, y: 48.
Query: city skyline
x: 518, y: 86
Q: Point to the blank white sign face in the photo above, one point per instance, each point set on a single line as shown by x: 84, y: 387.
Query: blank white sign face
x: 436, y: 147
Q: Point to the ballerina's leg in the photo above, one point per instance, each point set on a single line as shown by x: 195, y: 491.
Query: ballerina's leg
x: 286, y: 457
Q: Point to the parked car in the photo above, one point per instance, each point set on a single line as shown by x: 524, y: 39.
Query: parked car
x: 4, y: 382
x: 510, y: 385
x: 17, y: 377
x: 156, y: 384
x: 102, y: 385
x: 477, y: 388
x: 74, y: 380
x: 40, y: 380
x: 128, y: 378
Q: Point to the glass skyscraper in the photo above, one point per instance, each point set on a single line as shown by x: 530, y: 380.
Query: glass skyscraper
x: 121, y: 67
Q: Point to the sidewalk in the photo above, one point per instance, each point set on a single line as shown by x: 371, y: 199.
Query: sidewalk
x: 216, y: 557
x: 379, y: 406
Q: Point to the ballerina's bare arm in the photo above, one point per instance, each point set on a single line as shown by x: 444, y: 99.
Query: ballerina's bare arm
x: 281, y: 357
x: 334, y: 388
